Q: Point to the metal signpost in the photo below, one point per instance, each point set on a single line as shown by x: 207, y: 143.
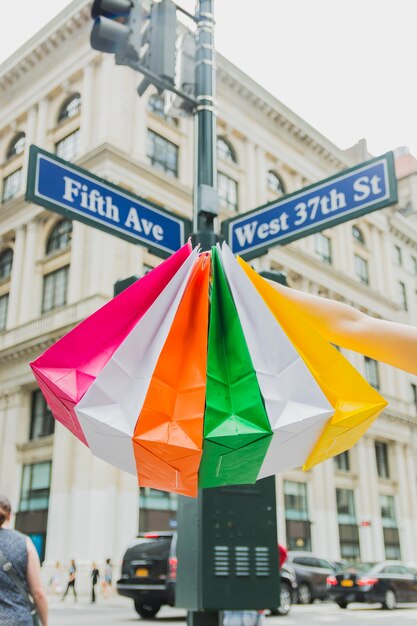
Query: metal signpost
x: 77, y: 194
x: 345, y: 196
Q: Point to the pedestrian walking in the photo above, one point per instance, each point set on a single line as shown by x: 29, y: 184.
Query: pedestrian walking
x: 55, y: 582
x: 108, y: 578
x: 72, y: 573
x: 20, y: 576
x: 95, y: 575
x: 243, y: 618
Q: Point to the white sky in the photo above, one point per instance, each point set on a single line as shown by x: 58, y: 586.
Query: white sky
x: 348, y: 67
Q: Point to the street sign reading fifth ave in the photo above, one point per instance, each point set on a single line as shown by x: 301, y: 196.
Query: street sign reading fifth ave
x: 76, y: 193
x: 345, y: 196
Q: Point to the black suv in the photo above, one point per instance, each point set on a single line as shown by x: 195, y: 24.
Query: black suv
x: 311, y: 573
x: 149, y: 572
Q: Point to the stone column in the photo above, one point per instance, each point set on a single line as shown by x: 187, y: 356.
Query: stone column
x: 11, y: 406
x: 371, y: 537
x: 378, y: 261
x: 104, y: 97
x: 139, y: 130
x: 77, y: 271
x: 29, y: 284
x: 260, y: 174
x: 406, y: 523
x: 86, y: 109
x: 30, y: 138
x: 255, y: 185
x: 324, y: 531
x: 42, y: 125
x: 411, y: 484
x: 16, y: 277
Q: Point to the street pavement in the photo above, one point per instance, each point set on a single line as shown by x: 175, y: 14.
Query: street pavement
x: 120, y: 612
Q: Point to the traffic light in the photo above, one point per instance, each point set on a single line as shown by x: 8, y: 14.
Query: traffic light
x: 160, y: 37
x: 117, y: 28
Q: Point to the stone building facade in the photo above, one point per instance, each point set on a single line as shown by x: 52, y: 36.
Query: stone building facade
x: 59, y: 94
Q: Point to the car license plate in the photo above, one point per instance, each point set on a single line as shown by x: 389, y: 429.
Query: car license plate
x: 142, y: 572
x: 347, y: 583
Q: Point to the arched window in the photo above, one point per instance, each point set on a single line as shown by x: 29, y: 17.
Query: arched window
x: 60, y: 237
x: 16, y: 146
x: 275, y: 183
x: 70, y: 108
x: 225, y: 150
x: 6, y: 262
x: 357, y: 234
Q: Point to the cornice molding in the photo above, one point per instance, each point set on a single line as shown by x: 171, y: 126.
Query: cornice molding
x: 404, y: 229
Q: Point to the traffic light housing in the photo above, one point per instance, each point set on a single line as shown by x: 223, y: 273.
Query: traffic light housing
x: 117, y: 28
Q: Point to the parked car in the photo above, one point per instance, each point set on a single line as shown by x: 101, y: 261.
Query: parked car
x: 311, y: 573
x: 388, y: 582
x: 149, y: 572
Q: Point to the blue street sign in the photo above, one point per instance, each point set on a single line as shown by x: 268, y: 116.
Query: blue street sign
x: 345, y: 196
x: 76, y: 193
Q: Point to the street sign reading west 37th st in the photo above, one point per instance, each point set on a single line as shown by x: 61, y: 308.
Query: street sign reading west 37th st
x: 76, y: 193
x: 347, y: 195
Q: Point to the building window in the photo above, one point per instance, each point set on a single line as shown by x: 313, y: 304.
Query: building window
x: 70, y: 108
x: 67, y: 148
x: 381, y: 453
x: 12, y: 185
x: 36, y: 482
x: 372, y: 372
x: 362, y: 269
x: 323, y: 247
x: 398, y: 256
x: 42, y: 422
x: 55, y: 286
x: 402, y: 293
x: 156, y: 104
x: 357, y: 235
x: 158, y: 509
x: 414, y: 265
x: 16, y: 146
x: 60, y: 237
x: 163, y: 154
x: 390, y: 528
x: 225, y: 150
x: 348, y: 528
x: 227, y: 190
x: 275, y: 184
x: 4, y: 305
x: 296, y: 516
x: 342, y: 462
x: 414, y: 394
x: 6, y: 262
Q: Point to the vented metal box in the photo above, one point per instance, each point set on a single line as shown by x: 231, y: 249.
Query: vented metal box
x: 227, y: 549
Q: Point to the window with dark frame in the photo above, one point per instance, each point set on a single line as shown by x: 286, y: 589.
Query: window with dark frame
x: 225, y: 150
x: 16, y: 146
x: 67, y: 148
x: 382, y: 464
x: 60, y: 237
x: 275, y: 183
x: 227, y: 189
x: 347, y: 522
x: 362, y: 269
x: 402, y: 291
x: 36, y: 483
x: 358, y: 235
x: 4, y: 307
x: 372, y: 372
x: 323, y: 247
x: 390, y: 527
x: 42, y: 423
x: 12, y: 185
x: 414, y: 394
x: 6, y: 262
x: 162, y: 154
x: 398, y: 256
x: 342, y: 461
x: 70, y: 108
x: 298, y: 525
x: 55, y: 287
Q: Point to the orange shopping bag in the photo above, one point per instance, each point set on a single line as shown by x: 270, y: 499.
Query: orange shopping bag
x: 168, y: 436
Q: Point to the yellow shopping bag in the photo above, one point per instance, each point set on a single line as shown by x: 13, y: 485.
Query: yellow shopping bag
x: 356, y: 403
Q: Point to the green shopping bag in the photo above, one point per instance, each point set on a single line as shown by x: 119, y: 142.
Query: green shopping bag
x: 237, y: 432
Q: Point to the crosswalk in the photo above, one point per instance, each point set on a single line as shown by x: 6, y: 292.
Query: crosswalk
x: 355, y: 614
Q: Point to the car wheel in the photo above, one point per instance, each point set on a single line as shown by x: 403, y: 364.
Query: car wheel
x: 390, y: 600
x: 342, y: 604
x: 284, y: 600
x: 146, y: 609
x: 304, y: 594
